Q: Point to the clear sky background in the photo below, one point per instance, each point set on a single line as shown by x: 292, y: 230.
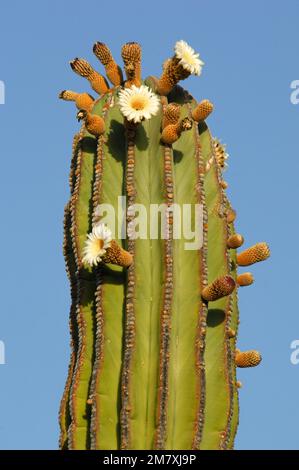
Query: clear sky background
x: 251, y: 54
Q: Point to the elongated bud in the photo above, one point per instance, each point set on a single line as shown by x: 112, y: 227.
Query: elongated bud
x: 171, y: 114
x: 231, y: 216
x: 94, y: 124
x: 131, y: 54
x: 96, y: 80
x: 81, y: 67
x: 247, y: 358
x: 235, y: 241
x: 202, y: 110
x: 82, y: 100
x: 245, y: 279
x: 224, y: 184
x: 184, y: 63
x: 254, y: 254
x: 172, y: 132
x: 113, y: 71
x: 172, y: 73
x: 115, y: 254
x: 103, y: 53
x: 221, y: 287
x: 231, y: 333
x: 68, y: 95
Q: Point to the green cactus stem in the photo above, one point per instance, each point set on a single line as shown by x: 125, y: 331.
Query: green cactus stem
x: 153, y: 319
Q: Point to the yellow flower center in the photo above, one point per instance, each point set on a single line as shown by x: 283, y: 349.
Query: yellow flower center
x: 187, y: 57
x: 97, y: 246
x: 138, y: 103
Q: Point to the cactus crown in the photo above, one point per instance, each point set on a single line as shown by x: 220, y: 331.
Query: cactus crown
x: 154, y: 314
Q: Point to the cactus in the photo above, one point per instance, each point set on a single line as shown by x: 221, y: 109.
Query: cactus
x: 153, y: 324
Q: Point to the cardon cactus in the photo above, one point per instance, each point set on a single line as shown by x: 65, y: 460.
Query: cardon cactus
x: 150, y: 250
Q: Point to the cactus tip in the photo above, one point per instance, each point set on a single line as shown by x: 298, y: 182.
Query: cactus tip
x: 96, y: 45
x: 73, y: 63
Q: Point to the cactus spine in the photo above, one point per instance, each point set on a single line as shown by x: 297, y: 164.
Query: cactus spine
x: 153, y: 324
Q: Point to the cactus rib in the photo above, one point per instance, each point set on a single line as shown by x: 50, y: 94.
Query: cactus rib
x: 166, y: 312
x: 202, y: 318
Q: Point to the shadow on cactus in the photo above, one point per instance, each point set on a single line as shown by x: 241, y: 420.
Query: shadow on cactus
x: 154, y: 316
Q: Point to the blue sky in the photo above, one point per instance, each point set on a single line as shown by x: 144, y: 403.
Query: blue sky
x: 251, y: 54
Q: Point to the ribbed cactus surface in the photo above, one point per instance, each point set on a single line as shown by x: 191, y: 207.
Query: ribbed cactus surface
x: 153, y: 324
